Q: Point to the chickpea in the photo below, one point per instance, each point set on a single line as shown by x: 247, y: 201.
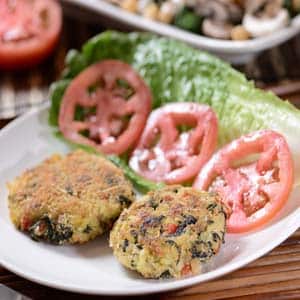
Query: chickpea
x: 166, y: 12
x: 165, y: 17
x: 151, y: 11
x: 129, y: 5
x: 239, y: 33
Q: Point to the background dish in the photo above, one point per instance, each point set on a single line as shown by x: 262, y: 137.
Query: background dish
x: 91, y: 268
x: 237, y: 52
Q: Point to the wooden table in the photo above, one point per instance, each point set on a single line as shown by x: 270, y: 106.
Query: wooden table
x: 274, y: 276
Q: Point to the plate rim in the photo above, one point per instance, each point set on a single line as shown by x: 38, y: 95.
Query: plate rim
x: 166, y: 286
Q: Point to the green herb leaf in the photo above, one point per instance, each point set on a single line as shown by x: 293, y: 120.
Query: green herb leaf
x: 187, y: 19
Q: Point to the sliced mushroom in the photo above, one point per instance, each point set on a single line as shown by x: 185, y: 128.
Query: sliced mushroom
x: 216, y: 29
x: 235, y: 10
x: 179, y: 4
x: 254, y: 6
x: 273, y: 7
x: 263, y: 8
x: 258, y: 27
x: 220, y: 17
x: 212, y: 10
x: 220, y: 10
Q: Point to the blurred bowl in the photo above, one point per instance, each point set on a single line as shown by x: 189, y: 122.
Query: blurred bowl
x: 236, y: 52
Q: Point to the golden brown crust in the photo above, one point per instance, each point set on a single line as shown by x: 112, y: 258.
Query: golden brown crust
x: 169, y: 232
x: 69, y: 199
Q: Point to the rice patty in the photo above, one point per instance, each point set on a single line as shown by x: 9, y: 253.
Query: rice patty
x: 69, y: 199
x: 168, y: 232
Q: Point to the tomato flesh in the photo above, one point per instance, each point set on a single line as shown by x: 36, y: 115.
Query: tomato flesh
x: 254, y: 191
x: 170, y: 154
x: 171, y: 228
x: 116, y: 102
x: 29, y: 30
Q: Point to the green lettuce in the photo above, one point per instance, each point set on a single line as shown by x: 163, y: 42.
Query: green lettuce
x: 177, y: 72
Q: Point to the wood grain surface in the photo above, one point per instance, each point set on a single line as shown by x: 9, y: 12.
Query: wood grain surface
x: 276, y: 276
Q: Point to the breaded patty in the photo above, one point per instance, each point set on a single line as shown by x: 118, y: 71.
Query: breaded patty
x: 169, y: 232
x: 69, y: 199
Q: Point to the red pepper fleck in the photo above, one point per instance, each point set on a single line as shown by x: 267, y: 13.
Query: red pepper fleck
x: 171, y: 228
x: 186, y: 194
x: 168, y: 198
x: 25, y: 223
x: 186, y: 270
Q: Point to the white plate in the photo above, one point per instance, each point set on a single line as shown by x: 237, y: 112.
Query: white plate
x: 91, y: 268
x: 237, y: 52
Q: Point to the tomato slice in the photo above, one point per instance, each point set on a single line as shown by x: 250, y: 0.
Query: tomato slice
x: 115, y: 103
x: 29, y: 30
x: 166, y: 153
x: 255, y: 190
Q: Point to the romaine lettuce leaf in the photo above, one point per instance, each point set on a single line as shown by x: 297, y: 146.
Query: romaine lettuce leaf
x: 176, y: 72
